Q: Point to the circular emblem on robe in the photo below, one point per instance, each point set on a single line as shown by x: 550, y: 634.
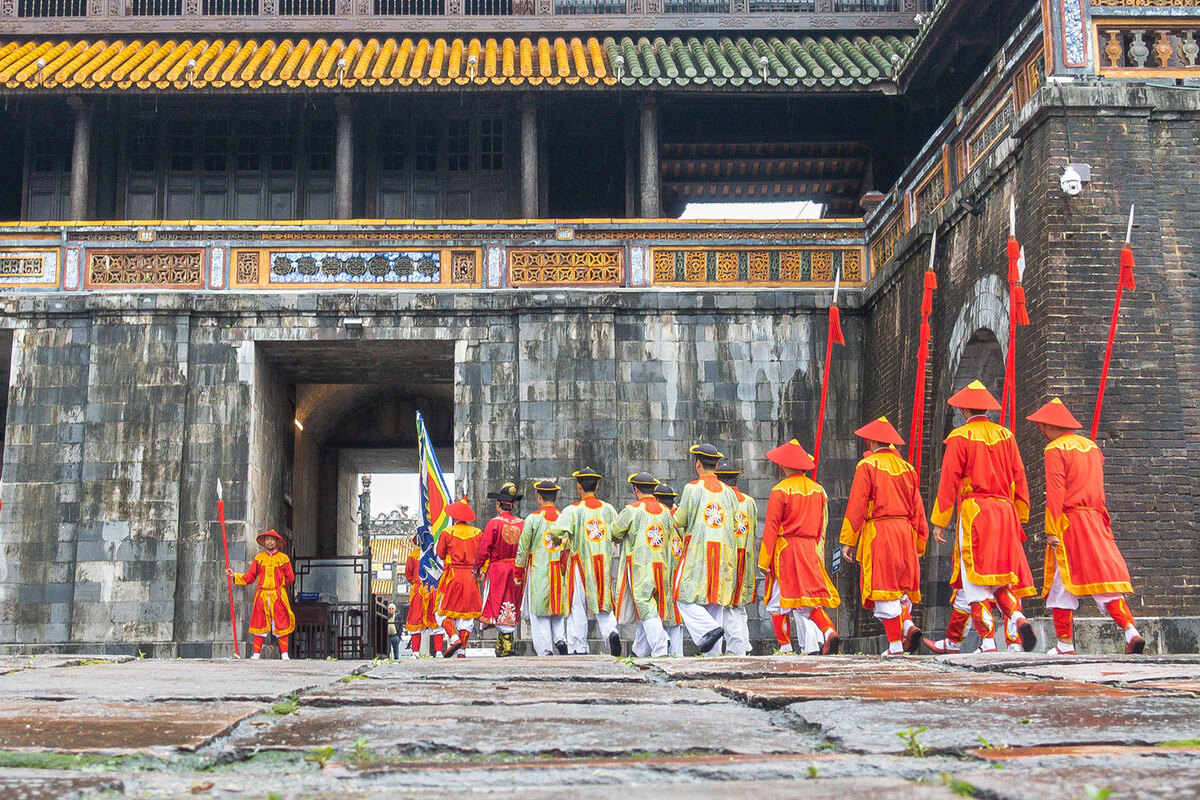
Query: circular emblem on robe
x: 676, y: 545
x: 656, y: 536
x: 743, y: 524
x: 510, y: 533
x: 714, y: 515
x: 595, y: 530
x: 550, y: 544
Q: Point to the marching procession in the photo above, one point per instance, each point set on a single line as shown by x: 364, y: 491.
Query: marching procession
x: 695, y: 561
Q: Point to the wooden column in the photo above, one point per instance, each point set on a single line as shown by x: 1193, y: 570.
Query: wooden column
x: 529, y: 156
x: 81, y: 157
x: 343, y: 168
x: 651, y: 204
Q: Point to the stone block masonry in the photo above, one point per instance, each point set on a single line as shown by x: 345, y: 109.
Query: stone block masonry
x: 124, y: 410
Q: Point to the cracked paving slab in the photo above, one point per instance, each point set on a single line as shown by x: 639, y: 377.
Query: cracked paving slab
x: 256, y: 681
x: 572, y: 669
x: 33, y: 785
x: 1144, y: 777
x: 1133, y: 673
x: 409, y: 692
x: 725, y: 667
x: 926, y: 685
x: 956, y: 725
x: 116, y: 727
x: 530, y: 730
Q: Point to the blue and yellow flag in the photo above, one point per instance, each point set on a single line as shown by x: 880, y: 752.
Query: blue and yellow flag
x: 434, y: 499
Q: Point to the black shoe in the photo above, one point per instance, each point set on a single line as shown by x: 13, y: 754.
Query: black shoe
x: 832, y: 643
x: 710, y: 639
x: 560, y: 647
x: 1028, y: 637
x: 614, y: 644
x: 452, y: 649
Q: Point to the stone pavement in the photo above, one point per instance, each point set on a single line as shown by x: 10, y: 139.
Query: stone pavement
x: 998, y: 727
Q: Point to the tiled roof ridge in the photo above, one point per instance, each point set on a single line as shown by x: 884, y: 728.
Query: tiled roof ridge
x: 831, y: 59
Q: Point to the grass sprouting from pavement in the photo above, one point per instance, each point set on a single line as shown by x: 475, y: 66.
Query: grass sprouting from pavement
x: 12, y: 759
x: 957, y: 785
x: 288, y: 705
x: 912, y: 742
x: 1181, y: 743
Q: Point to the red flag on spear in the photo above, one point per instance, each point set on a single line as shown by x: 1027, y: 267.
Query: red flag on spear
x: 1124, y: 281
x: 834, y: 336
x: 228, y: 580
x: 917, y: 427
x: 1017, y: 315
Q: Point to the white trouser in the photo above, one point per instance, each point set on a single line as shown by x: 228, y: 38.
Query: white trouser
x: 505, y: 628
x: 675, y: 641
x: 1059, y: 597
x: 577, y: 621
x: 545, y: 631
x: 737, y: 631
x: 700, y: 620
x: 887, y: 609
x: 651, y: 639
x: 970, y: 592
x: 467, y: 625
x: 809, y: 637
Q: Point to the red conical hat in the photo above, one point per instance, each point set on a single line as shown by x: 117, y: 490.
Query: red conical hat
x: 1056, y: 414
x: 791, y: 455
x: 270, y: 535
x: 880, y: 430
x: 460, y: 511
x: 975, y: 397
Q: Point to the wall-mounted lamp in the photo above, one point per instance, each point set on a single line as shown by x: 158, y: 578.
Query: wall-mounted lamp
x: 763, y: 66
x: 472, y: 66
x: 342, y: 65
x: 191, y: 70
x: 619, y: 66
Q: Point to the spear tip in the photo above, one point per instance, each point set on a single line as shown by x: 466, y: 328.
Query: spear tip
x: 1129, y: 228
x: 220, y: 494
x: 1012, y: 216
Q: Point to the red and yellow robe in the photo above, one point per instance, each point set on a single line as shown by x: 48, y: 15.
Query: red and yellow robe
x: 458, y: 593
x: 1087, y: 557
x: 793, y: 545
x: 273, y: 572
x: 422, y: 601
x: 498, y: 550
x: 983, y: 476
x: 885, y: 520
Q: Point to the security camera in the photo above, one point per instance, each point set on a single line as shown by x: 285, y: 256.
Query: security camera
x: 1071, y: 182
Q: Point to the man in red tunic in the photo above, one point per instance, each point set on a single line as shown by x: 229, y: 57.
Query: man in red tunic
x: 1082, y: 557
x: 498, y: 550
x: 984, y: 479
x: 272, y: 612
x: 422, y: 605
x: 885, y: 521
x: 793, y: 549
x: 459, y: 601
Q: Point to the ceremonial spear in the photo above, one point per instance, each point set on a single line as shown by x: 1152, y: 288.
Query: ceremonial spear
x: 917, y: 426
x: 1124, y: 281
x: 1017, y: 315
x: 228, y: 580
x: 834, y: 336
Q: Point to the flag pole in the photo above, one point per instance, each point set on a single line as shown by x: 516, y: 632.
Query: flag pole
x: 1124, y: 280
x: 1008, y: 402
x: 916, y: 433
x: 833, y: 336
x: 228, y: 580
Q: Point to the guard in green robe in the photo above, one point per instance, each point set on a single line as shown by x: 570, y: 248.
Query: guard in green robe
x: 541, y: 565
x: 706, y: 518
x: 672, y: 621
x: 586, y: 524
x: 737, y: 633
x: 644, y: 527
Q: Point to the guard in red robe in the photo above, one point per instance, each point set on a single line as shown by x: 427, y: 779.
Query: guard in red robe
x: 1082, y: 557
x: 459, y: 601
x: 793, y: 550
x: 497, y: 555
x: 422, y: 605
x: 983, y: 479
x: 885, y: 522
x: 272, y: 613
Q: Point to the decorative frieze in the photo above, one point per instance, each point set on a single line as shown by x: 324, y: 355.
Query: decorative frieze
x: 932, y: 190
x: 995, y: 126
x: 29, y: 268
x: 755, y: 266
x: 174, y: 269
x: 1169, y: 50
x: 333, y: 268
x: 565, y: 266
